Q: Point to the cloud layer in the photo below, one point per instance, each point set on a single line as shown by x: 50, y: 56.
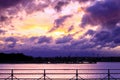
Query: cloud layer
x: 60, y: 27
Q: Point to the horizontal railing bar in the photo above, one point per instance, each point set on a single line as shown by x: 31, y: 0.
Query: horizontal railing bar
x: 59, y: 69
x: 68, y: 78
x: 21, y: 73
x: 52, y: 73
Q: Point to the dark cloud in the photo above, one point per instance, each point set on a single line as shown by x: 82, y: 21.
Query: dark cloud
x: 116, y: 31
x: 117, y: 40
x: 30, y: 6
x: 44, y: 39
x: 8, y: 3
x: 90, y: 32
x: 64, y: 39
x: 98, y: 40
x: 107, y: 16
x: 102, y: 13
x: 104, y: 36
x: 2, y: 32
x: 77, y: 42
x: 36, y: 52
x: 54, y: 53
x: 82, y: 43
x: 58, y: 22
x: 83, y: 0
x: 3, y: 18
x: 60, y: 4
x: 109, y: 38
x: 33, y: 38
x: 71, y: 28
x: 116, y: 35
x: 102, y: 39
x: 12, y: 41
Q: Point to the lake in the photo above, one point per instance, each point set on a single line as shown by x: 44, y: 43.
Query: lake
x: 99, y: 65
x: 66, y: 71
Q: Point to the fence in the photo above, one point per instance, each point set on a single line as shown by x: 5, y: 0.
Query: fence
x: 59, y: 74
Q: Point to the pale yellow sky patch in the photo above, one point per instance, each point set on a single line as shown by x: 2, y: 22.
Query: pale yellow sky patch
x: 34, y: 25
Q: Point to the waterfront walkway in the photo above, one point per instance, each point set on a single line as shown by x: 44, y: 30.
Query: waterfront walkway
x: 59, y: 74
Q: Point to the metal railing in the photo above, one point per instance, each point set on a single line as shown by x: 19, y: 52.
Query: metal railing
x: 59, y: 74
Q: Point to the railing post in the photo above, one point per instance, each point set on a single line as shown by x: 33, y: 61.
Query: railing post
x: 44, y: 74
x: 108, y: 74
x: 12, y: 74
x: 76, y: 74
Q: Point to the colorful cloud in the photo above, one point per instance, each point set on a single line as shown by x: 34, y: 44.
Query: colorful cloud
x: 60, y: 27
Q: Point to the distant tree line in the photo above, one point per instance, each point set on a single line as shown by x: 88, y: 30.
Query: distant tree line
x: 21, y: 58
x: 14, y: 58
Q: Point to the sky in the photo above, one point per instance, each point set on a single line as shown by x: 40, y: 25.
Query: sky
x: 49, y: 28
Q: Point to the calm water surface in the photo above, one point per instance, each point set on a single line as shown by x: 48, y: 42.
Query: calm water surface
x: 105, y: 65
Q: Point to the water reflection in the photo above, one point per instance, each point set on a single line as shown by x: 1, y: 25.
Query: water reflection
x: 66, y: 71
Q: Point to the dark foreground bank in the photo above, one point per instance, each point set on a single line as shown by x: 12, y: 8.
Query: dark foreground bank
x: 21, y: 58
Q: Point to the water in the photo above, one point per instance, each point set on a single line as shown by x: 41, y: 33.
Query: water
x: 103, y: 65
x: 65, y: 71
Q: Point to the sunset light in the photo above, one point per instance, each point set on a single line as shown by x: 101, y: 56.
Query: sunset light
x: 30, y: 26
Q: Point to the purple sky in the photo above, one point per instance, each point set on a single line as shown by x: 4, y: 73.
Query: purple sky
x: 60, y: 27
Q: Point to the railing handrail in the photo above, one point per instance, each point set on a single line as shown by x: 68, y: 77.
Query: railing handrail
x: 76, y: 72
x: 59, y: 69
